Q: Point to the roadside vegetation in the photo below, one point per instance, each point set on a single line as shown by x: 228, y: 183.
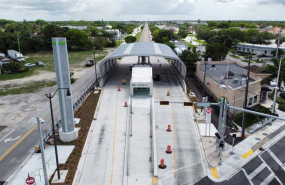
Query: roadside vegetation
x: 138, y: 35
x: 85, y: 113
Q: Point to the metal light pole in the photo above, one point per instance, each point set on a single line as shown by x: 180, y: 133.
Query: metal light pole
x: 49, y: 96
x: 277, y: 80
x: 95, y: 63
x: 18, y: 39
x: 42, y: 151
x: 246, y: 94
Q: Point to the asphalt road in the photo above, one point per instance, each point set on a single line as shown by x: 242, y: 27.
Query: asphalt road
x: 20, y: 142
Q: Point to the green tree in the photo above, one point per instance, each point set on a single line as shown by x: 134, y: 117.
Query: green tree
x: 190, y: 58
x: 130, y: 39
x: 273, y: 71
x: 78, y: 40
x: 216, y: 51
x: 52, y: 30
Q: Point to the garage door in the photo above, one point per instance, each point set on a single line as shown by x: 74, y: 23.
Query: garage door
x: 141, y: 91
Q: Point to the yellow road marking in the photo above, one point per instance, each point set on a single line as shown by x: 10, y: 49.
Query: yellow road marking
x: 114, y: 139
x: 215, y: 172
x: 154, y: 180
x: 17, y: 143
x: 247, y: 154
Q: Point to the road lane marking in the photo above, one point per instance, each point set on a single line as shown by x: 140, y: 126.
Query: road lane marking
x: 114, y: 139
x: 11, y: 139
x: 17, y: 143
x: 154, y: 180
x: 7, y: 135
x: 215, y: 172
x: 247, y: 154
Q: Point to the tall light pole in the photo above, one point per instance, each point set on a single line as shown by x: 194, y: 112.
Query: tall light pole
x: 94, y: 51
x: 277, y: 80
x: 49, y: 96
x: 246, y: 94
x: 18, y: 39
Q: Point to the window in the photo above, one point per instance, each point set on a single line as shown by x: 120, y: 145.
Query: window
x: 247, y: 49
x: 255, y: 99
x: 250, y: 101
x: 265, y: 52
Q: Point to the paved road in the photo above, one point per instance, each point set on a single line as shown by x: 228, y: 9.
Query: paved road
x: 145, y: 36
x: 185, y: 164
x: 13, y: 153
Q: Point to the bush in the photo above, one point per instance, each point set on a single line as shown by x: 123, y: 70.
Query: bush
x: 130, y: 39
x: 251, y: 118
x: 16, y: 67
x: 281, y: 107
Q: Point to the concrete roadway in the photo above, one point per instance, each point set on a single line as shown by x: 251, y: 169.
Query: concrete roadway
x: 185, y: 164
x: 145, y: 36
x: 13, y: 153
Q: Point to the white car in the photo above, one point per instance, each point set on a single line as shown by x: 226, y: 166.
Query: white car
x: 29, y: 65
x: 272, y: 84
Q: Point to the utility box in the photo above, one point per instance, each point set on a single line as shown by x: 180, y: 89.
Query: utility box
x: 141, y: 81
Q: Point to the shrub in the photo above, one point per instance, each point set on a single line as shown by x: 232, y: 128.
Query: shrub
x: 281, y: 107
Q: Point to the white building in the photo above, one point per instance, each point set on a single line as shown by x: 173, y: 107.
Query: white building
x: 257, y: 49
x: 116, y: 32
x: 141, y: 81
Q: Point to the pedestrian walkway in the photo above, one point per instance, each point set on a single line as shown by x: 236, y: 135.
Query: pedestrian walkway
x: 255, y: 159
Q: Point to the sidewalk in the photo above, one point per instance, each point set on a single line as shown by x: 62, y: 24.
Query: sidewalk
x: 243, y: 152
x: 33, y: 166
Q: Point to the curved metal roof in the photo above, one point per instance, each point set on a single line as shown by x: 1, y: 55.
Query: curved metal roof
x: 144, y: 49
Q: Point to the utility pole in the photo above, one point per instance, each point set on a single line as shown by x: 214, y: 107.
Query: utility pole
x: 277, y: 80
x: 246, y: 94
x: 18, y: 39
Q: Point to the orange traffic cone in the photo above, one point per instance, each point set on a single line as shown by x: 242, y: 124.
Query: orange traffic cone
x: 168, y: 128
x: 168, y: 150
x: 162, y: 165
x: 126, y: 104
x: 168, y: 93
x: 119, y: 89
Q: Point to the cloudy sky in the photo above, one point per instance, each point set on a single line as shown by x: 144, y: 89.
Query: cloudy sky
x: 142, y: 9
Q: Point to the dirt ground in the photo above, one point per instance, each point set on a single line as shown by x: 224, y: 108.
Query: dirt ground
x: 15, y: 108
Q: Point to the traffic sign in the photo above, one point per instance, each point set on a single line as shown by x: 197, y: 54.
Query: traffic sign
x: 30, y: 180
x: 208, y: 110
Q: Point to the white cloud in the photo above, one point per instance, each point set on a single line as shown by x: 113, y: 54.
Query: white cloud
x: 142, y: 9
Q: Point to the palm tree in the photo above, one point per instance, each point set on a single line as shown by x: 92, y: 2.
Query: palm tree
x: 273, y: 71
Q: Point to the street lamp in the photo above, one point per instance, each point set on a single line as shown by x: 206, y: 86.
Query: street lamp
x: 49, y: 96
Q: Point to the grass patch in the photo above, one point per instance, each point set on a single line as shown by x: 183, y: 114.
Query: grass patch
x: 190, y: 45
x: 28, y: 88
x: 47, y: 58
x: 234, y: 56
x: 246, y: 61
x: 138, y: 35
x: 4, y: 77
x: 200, y: 42
x: 118, y: 43
x: 85, y: 113
x: 251, y: 118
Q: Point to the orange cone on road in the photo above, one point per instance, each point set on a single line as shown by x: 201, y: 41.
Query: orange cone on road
x: 162, y: 165
x: 168, y: 128
x: 119, y: 89
x: 126, y: 104
x: 168, y: 150
x: 168, y: 93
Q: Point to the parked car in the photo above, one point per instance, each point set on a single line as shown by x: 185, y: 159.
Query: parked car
x: 272, y: 84
x: 40, y: 63
x: 262, y: 55
x: 282, y: 89
x: 29, y: 65
x: 89, y: 63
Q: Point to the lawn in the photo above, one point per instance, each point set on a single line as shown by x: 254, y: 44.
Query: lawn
x: 46, y: 57
x: 28, y: 88
x: 189, y: 44
x: 200, y: 42
x: 138, y: 35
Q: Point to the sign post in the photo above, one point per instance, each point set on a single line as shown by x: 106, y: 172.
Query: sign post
x: 30, y: 180
x: 208, y: 120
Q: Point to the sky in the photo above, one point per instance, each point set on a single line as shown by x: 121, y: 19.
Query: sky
x: 142, y: 10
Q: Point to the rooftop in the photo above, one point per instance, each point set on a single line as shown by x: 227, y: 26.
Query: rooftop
x: 218, y: 74
x: 142, y: 73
